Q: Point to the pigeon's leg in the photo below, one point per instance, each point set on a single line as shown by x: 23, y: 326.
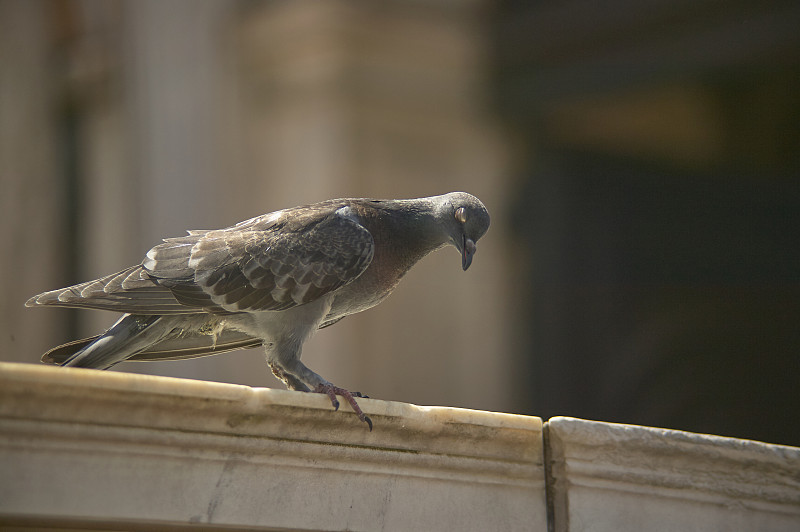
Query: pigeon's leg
x: 284, y: 361
x: 291, y: 382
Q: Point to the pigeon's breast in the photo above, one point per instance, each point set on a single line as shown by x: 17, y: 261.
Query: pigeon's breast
x: 374, y: 285
x: 362, y: 294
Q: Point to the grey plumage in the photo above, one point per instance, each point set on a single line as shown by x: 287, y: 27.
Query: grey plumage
x: 271, y: 280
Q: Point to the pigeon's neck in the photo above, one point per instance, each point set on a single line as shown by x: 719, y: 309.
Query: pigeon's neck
x: 418, y: 220
x: 409, y: 230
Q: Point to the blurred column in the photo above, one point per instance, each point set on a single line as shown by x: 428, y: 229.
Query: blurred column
x: 145, y: 80
x: 30, y: 193
x: 173, y: 78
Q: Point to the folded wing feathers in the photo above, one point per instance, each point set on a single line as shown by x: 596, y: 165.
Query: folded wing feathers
x: 130, y: 290
x: 272, y: 262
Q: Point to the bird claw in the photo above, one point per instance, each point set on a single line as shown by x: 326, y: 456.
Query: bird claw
x: 332, y: 391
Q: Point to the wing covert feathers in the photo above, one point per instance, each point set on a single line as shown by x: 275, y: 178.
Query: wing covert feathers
x: 268, y: 263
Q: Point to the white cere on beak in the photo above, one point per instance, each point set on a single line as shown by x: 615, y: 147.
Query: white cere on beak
x: 461, y: 215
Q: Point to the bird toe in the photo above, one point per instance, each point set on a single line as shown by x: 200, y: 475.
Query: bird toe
x: 332, y: 391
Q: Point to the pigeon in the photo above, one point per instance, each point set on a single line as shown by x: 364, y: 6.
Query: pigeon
x: 269, y: 281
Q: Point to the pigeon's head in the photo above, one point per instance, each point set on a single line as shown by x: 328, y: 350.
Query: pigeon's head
x: 466, y: 220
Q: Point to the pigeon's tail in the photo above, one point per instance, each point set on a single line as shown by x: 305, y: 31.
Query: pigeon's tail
x: 132, y: 334
x: 60, y: 354
x: 171, y: 338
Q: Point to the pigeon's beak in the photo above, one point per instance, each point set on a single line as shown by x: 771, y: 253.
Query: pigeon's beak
x: 467, y: 251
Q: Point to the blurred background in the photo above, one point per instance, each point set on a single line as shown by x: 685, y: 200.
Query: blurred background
x: 640, y: 159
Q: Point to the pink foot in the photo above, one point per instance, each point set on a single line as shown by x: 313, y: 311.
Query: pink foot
x: 332, y: 391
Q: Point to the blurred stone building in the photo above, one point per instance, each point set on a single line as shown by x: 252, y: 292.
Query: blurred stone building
x: 640, y: 161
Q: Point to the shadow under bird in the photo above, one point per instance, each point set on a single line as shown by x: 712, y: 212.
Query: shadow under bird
x: 270, y: 281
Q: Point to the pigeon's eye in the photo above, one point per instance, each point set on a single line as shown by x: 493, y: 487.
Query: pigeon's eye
x: 461, y: 215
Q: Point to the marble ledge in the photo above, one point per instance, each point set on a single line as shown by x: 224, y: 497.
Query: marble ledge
x: 88, y: 449
x: 78, y: 445
x: 612, y: 477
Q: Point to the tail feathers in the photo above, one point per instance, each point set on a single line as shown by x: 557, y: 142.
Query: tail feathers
x: 174, y: 347
x: 59, y: 355
x: 195, y: 346
x: 132, y: 334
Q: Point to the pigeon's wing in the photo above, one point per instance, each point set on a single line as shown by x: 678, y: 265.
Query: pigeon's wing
x: 273, y: 262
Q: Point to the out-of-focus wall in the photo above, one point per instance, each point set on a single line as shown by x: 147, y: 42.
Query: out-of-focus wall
x: 657, y: 211
x: 149, y: 118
